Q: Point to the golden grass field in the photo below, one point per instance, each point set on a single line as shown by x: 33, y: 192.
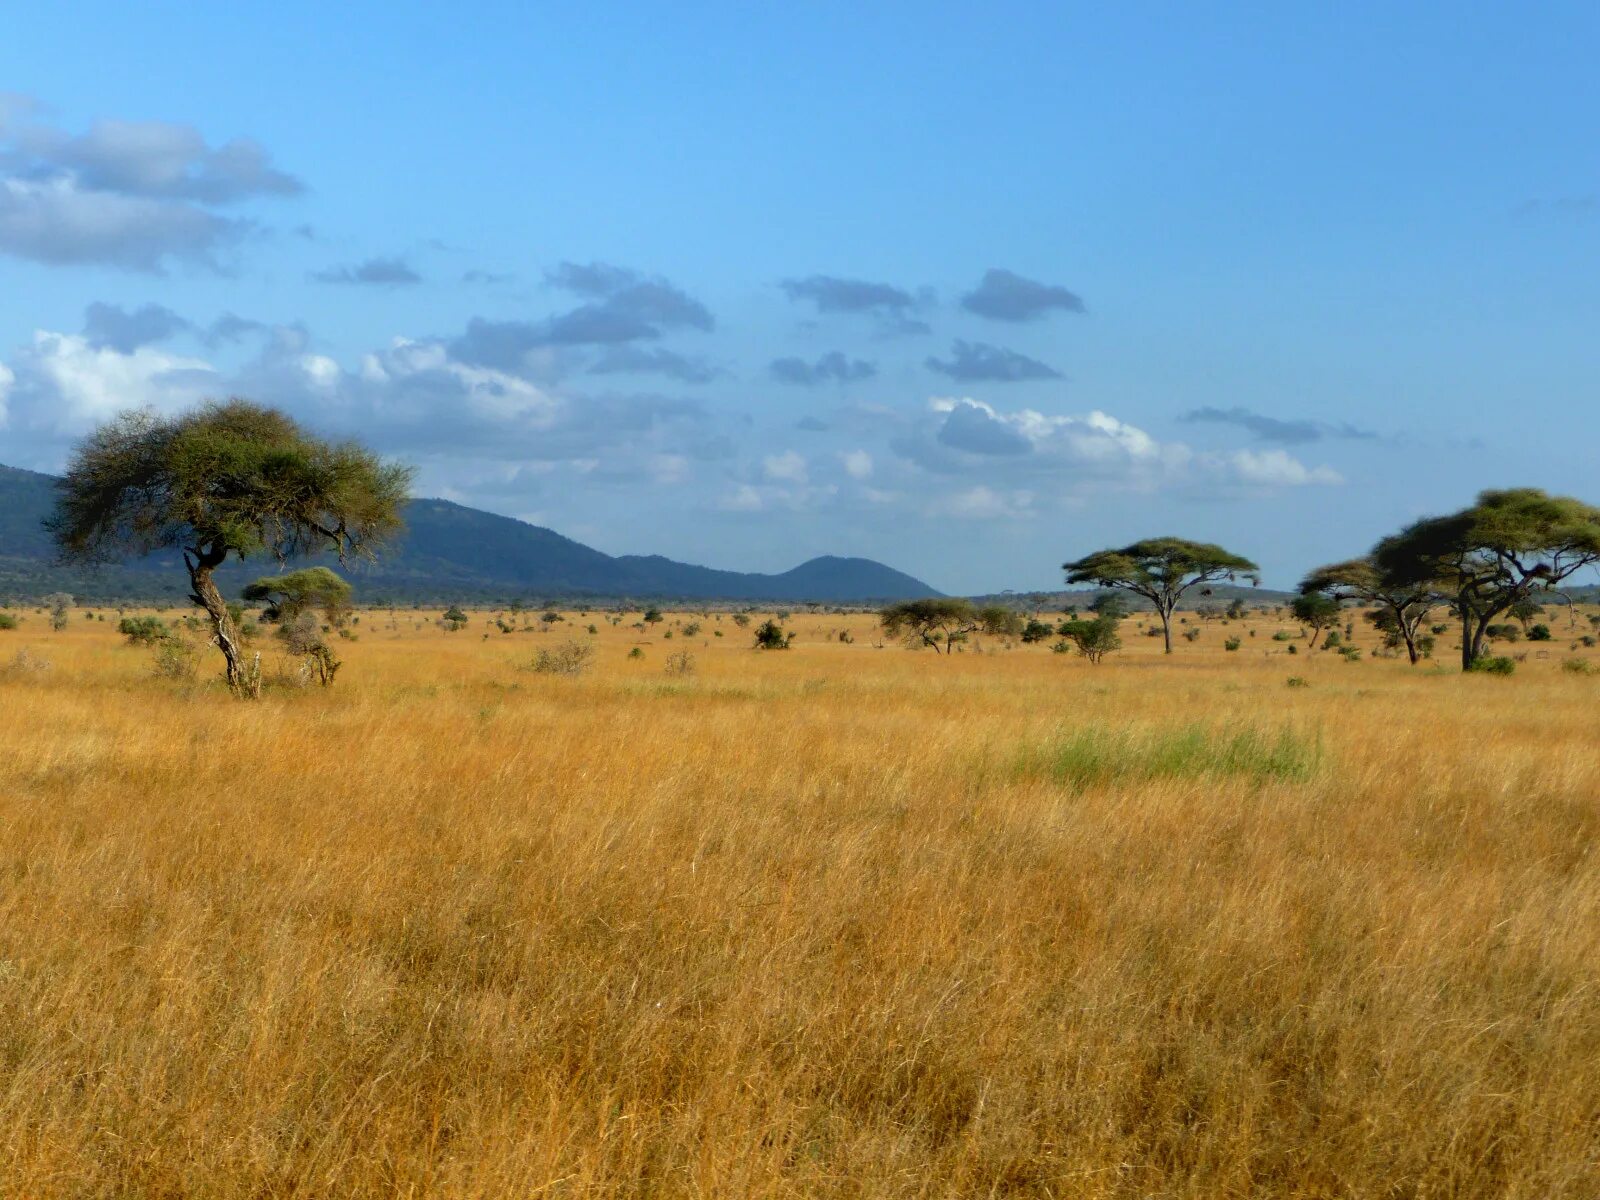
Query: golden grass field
x: 834, y: 921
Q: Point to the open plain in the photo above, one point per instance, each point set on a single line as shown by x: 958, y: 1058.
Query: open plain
x: 840, y: 920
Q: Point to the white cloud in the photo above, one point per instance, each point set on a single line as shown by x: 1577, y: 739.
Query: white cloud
x: 984, y: 504
x: 63, y: 385
x: 1277, y: 468
x: 789, y: 467
x: 1068, y: 456
x: 857, y: 464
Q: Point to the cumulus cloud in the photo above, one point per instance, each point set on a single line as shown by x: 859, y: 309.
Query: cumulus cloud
x: 129, y: 194
x: 373, y: 272
x: 1028, y: 450
x: 63, y: 384
x: 1006, y: 296
x: 1277, y: 468
x: 857, y: 464
x: 832, y: 367
x: 977, y: 362
x: 1274, y: 429
x: 788, y: 467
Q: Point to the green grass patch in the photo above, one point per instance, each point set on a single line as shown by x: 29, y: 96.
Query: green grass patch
x: 1098, y: 755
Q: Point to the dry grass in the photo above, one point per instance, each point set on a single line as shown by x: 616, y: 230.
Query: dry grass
x: 835, y: 921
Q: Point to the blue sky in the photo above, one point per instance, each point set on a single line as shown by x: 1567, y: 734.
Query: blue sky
x: 967, y: 290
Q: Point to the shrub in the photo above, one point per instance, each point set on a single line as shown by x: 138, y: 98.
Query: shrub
x: 24, y: 664
x: 636, y: 653
x: 570, y: 658
x: 143, y: 631
x: 1539, y: 633
x: 771, y: 636
x: 175, y: 659
x: 1298, y: 681
x: 8, y: 620
x: 1035, y: 631
x: 1232, y: 643
x: 1578, y: 666
x: 1490, y: 665
x: 454, y: 619
x: 1192, y: 634
x: 680, y: 663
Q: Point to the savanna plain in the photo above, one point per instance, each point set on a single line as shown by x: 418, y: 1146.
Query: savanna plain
x: 839, y: 920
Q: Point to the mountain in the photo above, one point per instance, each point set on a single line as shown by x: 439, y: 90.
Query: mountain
x: 448, y: 552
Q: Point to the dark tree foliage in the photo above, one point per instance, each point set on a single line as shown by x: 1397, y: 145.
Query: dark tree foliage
x: 289, y: 595
x: 942, y: 622
x: 1509, y: 547
x: 1402, y: 607
x: 1316, y: 611
x: 1161, y: 570
x: 229, y: 478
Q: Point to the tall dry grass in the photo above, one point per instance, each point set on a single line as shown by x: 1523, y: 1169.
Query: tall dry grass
x: 835, y: 921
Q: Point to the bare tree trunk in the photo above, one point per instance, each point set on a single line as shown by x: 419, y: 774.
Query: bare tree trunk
x: 1166, y: 626
x: 226, y: 636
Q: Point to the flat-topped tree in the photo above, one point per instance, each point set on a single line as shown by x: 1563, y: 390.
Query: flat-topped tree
x: 228, y: 478
x: 1510, y: 546
x: 1405, y: 605
x: 1161, y: 570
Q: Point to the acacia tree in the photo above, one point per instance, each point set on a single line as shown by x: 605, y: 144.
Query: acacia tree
x: 1405, y: 606
x: 1161, y: 570
x: 1508, y: 547
x: 945, y: 621
x: 228, y: 478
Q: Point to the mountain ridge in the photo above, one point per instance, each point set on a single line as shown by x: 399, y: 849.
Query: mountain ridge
x: 448, y: 552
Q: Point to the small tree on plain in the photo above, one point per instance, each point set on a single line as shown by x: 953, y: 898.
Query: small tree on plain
x: 1161, y: 570
x: 1402, y: 608
x: 1316, y: 611
x: 60, y: 606
x: 1093, y: 639
x: 938, y: 623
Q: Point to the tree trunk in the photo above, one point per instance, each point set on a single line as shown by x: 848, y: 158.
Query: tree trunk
x: 224, y: 634
x: 1166, y: 627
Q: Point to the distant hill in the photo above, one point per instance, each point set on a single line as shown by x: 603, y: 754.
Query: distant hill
x: 448, y: 552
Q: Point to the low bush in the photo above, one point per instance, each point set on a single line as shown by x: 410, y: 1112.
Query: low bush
x: 569, y: 658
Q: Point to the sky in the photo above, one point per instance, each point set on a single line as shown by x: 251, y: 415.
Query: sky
x: 971, y: 290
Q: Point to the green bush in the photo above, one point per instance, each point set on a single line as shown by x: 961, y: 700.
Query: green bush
x: 1231, y: 644
x: 1539, y: 633
x: 771, y: 636
x: 8, y: 621
x: 143, y: 631
x: 1487, y: 664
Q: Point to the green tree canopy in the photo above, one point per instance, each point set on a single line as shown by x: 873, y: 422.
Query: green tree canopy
x: 289, y: 595
x: 1404, y: 606
x: 937, y: 622
x: 1161, y: 570
x: 228, y: 478
x: 1509, y: 546
x: 1316, y: 611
